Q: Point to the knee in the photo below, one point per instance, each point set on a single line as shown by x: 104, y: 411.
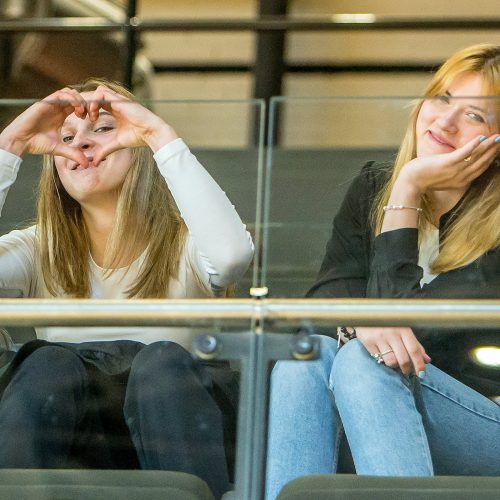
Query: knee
x: 50, y: 369
x: 158, y: 359
x: 53, y: 361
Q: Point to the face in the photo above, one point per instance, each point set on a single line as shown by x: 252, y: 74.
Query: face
x: 87, y: 183
x: 447, y: 122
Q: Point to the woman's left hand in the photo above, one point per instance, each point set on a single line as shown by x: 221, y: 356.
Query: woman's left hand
x: 398, y: 346
x: 136, y: 125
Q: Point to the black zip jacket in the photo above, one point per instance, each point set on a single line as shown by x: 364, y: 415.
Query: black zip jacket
x: 358, y: 264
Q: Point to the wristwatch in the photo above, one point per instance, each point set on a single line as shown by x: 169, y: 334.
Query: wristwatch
x: 345, y: 333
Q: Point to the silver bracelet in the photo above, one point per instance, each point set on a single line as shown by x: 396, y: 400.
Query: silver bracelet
x: 401, y: 207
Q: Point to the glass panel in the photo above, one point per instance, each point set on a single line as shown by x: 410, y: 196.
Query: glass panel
x: 323, y: 143
x: 320, y: 147
x: 226, y: 137
x: 180, y: 414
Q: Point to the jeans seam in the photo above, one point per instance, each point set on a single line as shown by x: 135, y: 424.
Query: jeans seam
x: 336, y: 451
x: 461, y: 404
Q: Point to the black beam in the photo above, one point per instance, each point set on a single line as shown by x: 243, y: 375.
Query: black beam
x: 6, y: 57
x: 299, y: 67
x: 130, y: 44
x: 201, y: 67
x: 355, y: 67
x: 266, y: 23
x: 269, y: 57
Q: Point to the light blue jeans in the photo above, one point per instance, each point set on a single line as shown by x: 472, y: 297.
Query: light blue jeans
x: 395, y: 425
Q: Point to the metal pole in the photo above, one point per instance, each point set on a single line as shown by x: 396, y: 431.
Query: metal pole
x: 276, y: 312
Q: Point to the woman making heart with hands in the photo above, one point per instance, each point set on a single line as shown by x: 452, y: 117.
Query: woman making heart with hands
x: 425, y: 226
x: 124, y: 210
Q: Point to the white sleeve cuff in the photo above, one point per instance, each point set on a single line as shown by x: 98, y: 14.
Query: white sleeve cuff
x: 170, y: 149
x: 10, y: 164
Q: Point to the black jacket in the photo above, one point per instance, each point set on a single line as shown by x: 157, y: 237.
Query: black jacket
x: 357, y: 264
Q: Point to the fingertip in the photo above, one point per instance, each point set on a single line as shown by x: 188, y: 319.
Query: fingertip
x: 97, y: 160
x: 80, y: 158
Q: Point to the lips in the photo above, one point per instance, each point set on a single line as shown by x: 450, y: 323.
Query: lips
x: 78, y: 166
x: 439, y: 139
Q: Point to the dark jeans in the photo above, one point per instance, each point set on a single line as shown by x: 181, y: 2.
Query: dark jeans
x: 65, y: 405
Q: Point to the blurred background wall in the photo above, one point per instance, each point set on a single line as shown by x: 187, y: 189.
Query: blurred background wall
x: 33, y: 64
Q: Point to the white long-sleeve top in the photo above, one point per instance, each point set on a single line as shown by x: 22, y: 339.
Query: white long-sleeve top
x: 217, y: 252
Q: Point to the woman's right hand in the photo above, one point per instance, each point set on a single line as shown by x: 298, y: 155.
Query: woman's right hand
x: 406, y: 353
x: 37, y: 129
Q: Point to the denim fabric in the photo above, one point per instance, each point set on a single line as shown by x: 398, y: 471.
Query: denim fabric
x: 396, y: 425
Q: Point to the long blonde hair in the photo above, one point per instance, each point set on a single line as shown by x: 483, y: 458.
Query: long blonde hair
x: 146, y: 218
x: 465, y: 239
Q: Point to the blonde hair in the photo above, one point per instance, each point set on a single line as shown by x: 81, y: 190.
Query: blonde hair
x: 464, y: 240
x: 146, y: 218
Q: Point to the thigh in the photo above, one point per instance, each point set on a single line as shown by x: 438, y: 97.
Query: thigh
x: 462, y: 426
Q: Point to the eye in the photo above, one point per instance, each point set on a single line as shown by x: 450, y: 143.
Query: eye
x: 67, y: 138
x: 444, y: 99
x: 475, y: 116
x: 103, y: 128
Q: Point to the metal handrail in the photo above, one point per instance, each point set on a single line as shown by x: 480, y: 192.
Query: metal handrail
x: 269, y: 23
x: 148, y: 312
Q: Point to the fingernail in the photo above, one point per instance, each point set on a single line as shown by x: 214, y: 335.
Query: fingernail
x: 421, y: 374
x: 482, y: 138
x: 497, y: 140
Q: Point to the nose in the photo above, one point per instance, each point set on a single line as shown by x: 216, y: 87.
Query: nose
x: 448, y: 119
x: 82, y: 141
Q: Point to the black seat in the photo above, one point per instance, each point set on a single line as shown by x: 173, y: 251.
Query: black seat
x: 36, y: 484
x: 352, y: 487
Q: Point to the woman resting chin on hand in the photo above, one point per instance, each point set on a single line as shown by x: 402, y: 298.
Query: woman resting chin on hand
x: 124, y: 211
x: 427, y: 227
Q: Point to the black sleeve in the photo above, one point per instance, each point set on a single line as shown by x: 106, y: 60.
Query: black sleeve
x: 345, y: 268
x: 395, y: 272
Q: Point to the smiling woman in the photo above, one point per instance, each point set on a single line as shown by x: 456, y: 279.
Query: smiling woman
x: 426, y: 225
x: 125, y: 210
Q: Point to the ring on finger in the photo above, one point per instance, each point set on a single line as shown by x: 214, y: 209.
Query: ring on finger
x: 379, y: 356
x: 468, y: 159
